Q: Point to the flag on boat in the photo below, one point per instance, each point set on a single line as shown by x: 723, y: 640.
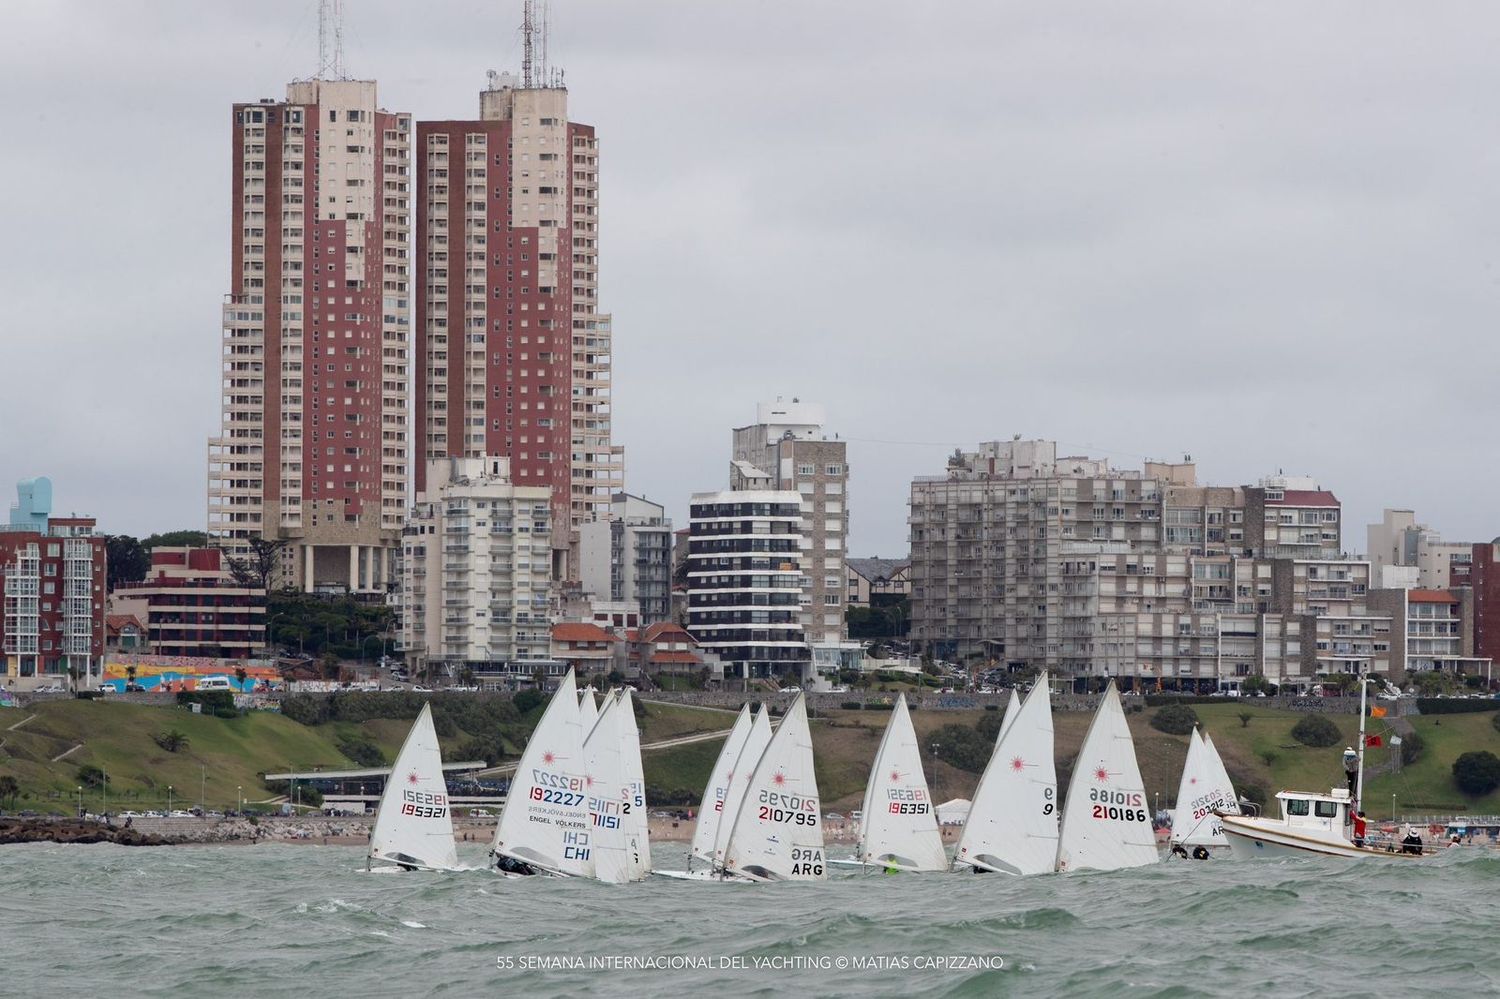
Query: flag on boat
x: 1377, y: 712
x: 1373, y: 742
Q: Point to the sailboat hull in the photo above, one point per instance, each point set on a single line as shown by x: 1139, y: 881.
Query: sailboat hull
x: 701, y: 876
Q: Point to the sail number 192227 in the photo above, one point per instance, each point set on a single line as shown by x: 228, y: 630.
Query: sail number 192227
x: 1121, y: 806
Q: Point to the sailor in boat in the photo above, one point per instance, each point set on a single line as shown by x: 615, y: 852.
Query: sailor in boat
x: 1359, y: 828
x: 1412, y: 841
x: 510, y: 865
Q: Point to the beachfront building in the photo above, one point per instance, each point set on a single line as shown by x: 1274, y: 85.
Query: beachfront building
x: 512, y: 355
x: 313, y: 446
x: 52, y: 574
x: 194, y: 606
x: 1434, y: 629
x: 744, y: 570
x: 787, y: 448
x: 877, y: 581
x: 1407, y: 554
x: 476, y: 569
x: 626, y: 556
x: 1024, y: 559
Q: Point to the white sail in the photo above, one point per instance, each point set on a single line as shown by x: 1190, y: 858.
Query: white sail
x: 588, y: 710
x: 711, y: 812
x: 1106, y: 823
x: 899, y: 828
x: 1229, y: 800
x: 778, y: 833
x: 607, y: 795
x: 1012, y: 711
x: 739, y: 780
x: 414, y: 826
x: 1012, y: 824
x: 544, y: 823
x: 637, y: 835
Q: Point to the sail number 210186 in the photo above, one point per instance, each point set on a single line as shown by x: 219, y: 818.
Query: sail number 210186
x: 1121, y: 806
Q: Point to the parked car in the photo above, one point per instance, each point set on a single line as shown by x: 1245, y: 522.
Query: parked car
x: 178, y: 813
x: 135, y: 688
x: 50, y: 688
x: 129, y: 815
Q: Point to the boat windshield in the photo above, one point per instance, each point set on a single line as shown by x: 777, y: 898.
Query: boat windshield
x: 1297, y: 806
x: 1327, y: 809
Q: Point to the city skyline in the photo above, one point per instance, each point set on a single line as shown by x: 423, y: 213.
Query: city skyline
x: 1069, y: 268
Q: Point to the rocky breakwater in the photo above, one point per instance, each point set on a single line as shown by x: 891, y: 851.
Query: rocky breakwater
x: 18, y: 830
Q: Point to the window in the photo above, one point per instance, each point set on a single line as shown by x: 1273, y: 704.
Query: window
x: 1296, y: 806
x: 831, y: 599
x: 806, y: 470
x: 1327, y: 809
x: 834, y: 470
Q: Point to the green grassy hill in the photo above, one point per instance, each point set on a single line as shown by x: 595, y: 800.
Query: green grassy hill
x: 222, y: 754
x: 1262, y: 753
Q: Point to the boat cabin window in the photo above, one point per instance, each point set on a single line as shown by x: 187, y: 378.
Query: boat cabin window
x: 1296, y: 806
x: 1327, y: 809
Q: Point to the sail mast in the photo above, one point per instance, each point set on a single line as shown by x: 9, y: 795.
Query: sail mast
x: 1359, y: 780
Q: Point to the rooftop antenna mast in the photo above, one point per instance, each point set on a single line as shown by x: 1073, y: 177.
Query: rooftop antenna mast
x: 528, y: 29
x: 331, y: 39
x: 544, y: 81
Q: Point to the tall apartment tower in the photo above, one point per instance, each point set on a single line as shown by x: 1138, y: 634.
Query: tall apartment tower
x: 513, y: 358
x: 786, y: 448
x: 313, y: 448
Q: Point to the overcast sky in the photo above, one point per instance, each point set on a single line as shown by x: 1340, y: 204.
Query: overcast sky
x: 1261, y: 233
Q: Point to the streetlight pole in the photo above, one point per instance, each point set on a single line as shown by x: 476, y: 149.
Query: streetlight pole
x: 202, y: 787
x: 80, y: 801
x: 239, y: 798
x: 169, y: 799
x: 104, y: 788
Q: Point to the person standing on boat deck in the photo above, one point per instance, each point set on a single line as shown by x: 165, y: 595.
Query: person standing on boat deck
x: 1351, y: 769
x: 1359, y: 828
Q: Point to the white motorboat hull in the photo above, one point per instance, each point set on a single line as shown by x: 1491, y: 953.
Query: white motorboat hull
x: 1252, y: 838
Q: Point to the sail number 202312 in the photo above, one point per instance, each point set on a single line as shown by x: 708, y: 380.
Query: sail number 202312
x: 1126, y: 806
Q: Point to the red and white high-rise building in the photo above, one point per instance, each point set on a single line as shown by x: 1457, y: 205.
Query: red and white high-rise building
x: 314, y: 449
x: 513, y: 357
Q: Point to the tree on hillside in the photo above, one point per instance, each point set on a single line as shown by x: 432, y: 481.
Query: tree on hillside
x: 127, y: 560
x: 175, y: 539
x: 239, y: 676
x: 1245, y: 717
x: 130, y: 672
x: 257, y: 568
x: 1316, y: 731
x: 10, y: 789
x: 1175, y: 719
x: 90, y: 776
x: 173, y: 741
x: 1477, y: 773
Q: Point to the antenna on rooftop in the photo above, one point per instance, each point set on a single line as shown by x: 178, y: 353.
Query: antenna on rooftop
x: 331, y: 39
x: 528, y: 28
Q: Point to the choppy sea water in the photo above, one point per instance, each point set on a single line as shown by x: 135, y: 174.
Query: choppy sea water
x: 276, y: 920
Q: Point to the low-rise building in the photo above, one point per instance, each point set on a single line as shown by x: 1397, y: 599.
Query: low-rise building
x: 665, y: 647
x: 52, y: 573
x: 193, y: 606
x: 586, y: 647
x: 476, y: 569
x: 877, y: 581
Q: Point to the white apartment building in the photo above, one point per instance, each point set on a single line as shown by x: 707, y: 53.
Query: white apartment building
x: 1406, y: 554
x: 476, y: 568
x: 627, y: 557
x: 787, y: 448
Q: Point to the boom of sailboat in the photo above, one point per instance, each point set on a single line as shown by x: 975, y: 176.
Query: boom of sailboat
x: 577, y: 804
